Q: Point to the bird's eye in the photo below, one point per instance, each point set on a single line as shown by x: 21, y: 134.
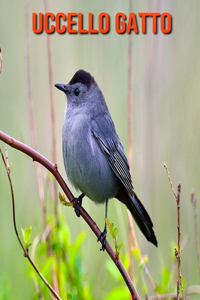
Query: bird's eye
x: 76, y: 92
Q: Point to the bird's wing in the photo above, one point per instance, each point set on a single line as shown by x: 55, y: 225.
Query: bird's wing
x: 104, y: 132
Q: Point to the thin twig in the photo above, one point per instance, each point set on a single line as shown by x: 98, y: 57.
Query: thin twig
x: 177, y: 251
x: 52, y: 103
x: 36, y: 156
x: 130, y: 244
x: 53, y: 129
x: 33, y: 138
x: 17, y: 234
x: 169, y: 296
x: 165, y: 166
x: 145, y: 268
x: 130, y: 92
x: 37, y: 288
x: 194, y: 200
x: 31, y: 117
x: 130, y: 37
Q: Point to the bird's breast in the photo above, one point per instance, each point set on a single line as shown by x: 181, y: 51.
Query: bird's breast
x: 86, y: 166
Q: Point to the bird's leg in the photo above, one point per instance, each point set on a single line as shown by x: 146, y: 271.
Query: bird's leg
x: 104, y: 232
x: 78, y: 203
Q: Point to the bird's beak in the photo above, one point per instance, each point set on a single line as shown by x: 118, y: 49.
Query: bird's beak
x: 62, y: 87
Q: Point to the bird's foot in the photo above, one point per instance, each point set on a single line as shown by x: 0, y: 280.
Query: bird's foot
x: 78, y: 203
x: 102, y: 237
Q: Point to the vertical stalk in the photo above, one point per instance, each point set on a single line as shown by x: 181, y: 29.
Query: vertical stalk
x: 130, y: 242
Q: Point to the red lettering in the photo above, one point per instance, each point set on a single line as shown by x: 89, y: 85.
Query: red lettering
x: 132, y: 23
x: 120, y: 26
x: 169, y: 21
x: 154, y: 16
x: 91, y: 30
x: 71, y: 22
x: 40, y: 23
x: 80, y: 24
x: 46, y: 22
x: 143, y: 16
x: 104, y: 29
x: 58, y: 17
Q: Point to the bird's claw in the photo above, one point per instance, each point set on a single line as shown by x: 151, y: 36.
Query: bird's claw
x: 103, y: 242
x: 78, y: 203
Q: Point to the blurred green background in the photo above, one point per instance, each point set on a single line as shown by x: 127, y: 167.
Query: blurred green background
x: 165, y: 127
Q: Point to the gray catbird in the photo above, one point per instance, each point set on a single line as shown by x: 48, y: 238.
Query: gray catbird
x: 94, y: 157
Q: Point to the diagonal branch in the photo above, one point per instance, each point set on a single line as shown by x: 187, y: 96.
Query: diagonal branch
x: 36, y: 156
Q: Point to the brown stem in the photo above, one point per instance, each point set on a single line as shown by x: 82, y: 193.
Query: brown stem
x: 168, y: 175
x: 130, y: 92
x: 54, y: 170
x: 53, y: 129
x: 178, y: 254
x: 33, y: 137
x: 130, y: 242
x: 52, y: 103
x: 177, y: 251
x: 169, y: 296
x: 31, y: 117
x: 146, y: 270
x: 17, y: 234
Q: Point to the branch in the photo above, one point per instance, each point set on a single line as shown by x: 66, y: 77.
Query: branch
x: 169, y: 296
x: 36, y: 156
x: 168, y: 175
x: 144, y: 266
x: 52, y: 105
x: 130, y: 242
x: 33, y: 137
x: 30, y: 113
x: 17, y: 234
x: 177, y: 252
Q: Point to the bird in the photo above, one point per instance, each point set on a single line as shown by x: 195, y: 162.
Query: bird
x: 94, y: 158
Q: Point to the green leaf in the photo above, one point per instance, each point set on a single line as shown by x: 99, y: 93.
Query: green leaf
x: 26, y: 233
x: 173, y: 246
x: 136, y: 253
x: 115, y: 231
x: 144, y: 287
x: 120, y: 245
x: 69, y: 296
x: 118, y: 293
x: 112, y: 269
x: 184, y: 282
x: 146, y: 259
x: 63, y: 200
x: 165, y: 277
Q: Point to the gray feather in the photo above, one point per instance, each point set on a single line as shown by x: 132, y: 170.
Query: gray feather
x: 113, y: 150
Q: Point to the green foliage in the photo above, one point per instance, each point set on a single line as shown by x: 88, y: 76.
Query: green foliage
x: 63, y: 201
x: 4, y: 287
x: 118, y: 293
x: 66, y: 261
x: 164, y: 286
x: 26, y: 233
x: 113, y: 232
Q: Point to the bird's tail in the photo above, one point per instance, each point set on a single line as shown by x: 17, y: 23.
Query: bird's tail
x: 142, y: 218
